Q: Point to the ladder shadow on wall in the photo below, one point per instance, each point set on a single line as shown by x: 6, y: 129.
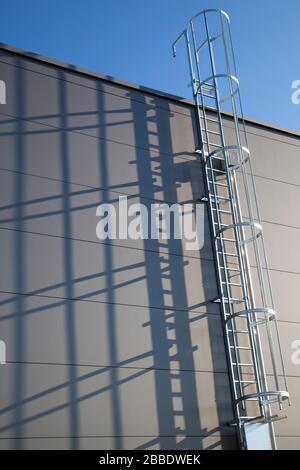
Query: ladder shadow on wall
x: 181, y: 395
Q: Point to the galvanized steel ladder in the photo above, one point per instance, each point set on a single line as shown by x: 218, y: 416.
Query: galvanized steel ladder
x: 250, y: 325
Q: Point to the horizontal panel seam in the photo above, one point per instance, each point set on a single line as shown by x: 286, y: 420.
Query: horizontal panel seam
x: 150, y: 368
x: 157, y: 436
x: 104, y: 139
x: 208, y: 260
x: 100, y: 188
x: 78, y: 299
x: 288, y: 183
x: 288, y: 321
x: 97, y: 188
x: 101, y: 366
x: 112, y: 245
x: 150, y: 307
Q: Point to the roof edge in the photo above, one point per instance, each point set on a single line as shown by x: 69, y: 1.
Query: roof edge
x: 134, y: 86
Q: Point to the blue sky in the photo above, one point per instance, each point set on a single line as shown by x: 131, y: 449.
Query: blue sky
x: 131, y: 39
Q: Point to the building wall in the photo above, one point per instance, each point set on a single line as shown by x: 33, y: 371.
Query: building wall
x: 119, y: 344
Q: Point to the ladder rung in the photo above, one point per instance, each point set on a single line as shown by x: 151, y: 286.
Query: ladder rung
x: 209, y: 85
x: 246, y: 381
x: 214, y: 132
x: 217, y: 184
x: 216, y: 156
x: 228, y: 254
x: 217, y: 196
x: 253, y: 399
x: 233, y: 284
x: 244, y: 348
x: 218, y: 171
x: 213, y: 145
x: 207, y: 90
x: 200, y: 92
x: 221, y: 211
x: 226, y: 239
x: 230, y: 269
x: 238, y: 331
x: 242, y: 364
x: 209, y: 119
x: 231, y: 300
x: 221, y: 225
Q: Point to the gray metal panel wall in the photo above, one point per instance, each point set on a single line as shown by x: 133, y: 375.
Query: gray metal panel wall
x: 118, y: 345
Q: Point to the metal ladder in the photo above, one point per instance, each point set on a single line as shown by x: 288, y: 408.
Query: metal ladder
x: 249, y: 321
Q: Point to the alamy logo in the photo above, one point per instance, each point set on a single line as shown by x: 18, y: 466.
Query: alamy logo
x: 2, y: 352
x: 296, y: 354
x: 2, y: 92
x: 161, y: 222
x: 296, y: 93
